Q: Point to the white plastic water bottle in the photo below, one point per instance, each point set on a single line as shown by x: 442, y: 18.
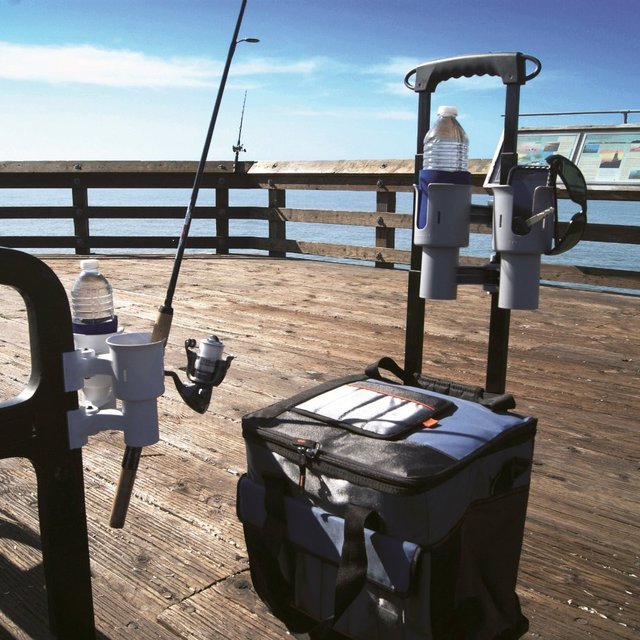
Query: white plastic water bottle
x: 446, y: 145
x: 445, y: 156
x: 443, y: 205
x: 94, y: 320
x: 92, y: 301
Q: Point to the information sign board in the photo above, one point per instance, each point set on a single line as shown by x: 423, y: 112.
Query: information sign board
x: 608, y: 155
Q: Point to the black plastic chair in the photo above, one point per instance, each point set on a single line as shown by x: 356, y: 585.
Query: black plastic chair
x: 33, y: 425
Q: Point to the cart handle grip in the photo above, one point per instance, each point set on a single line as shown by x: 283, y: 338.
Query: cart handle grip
x: 511, y: 67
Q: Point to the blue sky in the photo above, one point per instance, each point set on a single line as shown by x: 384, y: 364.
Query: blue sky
x: 137, y: 79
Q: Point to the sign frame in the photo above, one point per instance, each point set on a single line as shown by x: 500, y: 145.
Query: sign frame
x: 606, y: 154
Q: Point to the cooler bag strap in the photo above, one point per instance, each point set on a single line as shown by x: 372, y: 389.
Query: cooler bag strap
x: 269, y: 579
x: 352, y: 571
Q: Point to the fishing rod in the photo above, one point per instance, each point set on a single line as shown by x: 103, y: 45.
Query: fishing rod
x: 196, y: 395
x: 238, y: 147
x: 162, y: 326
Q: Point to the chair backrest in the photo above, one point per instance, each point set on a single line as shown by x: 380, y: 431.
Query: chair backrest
x: 33, y: 425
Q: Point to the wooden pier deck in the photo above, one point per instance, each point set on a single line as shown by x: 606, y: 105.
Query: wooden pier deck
x: 179, y: 568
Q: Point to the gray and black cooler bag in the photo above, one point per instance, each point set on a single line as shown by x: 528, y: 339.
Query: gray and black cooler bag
x: 381, y: 511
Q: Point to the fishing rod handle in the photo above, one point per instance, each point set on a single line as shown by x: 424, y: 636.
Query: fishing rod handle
x: 162, y: 326
x: 130, y: 462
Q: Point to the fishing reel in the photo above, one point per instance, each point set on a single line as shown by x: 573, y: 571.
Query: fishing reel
x: 206, y: 368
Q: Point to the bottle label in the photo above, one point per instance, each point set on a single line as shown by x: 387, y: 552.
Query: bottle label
x: 430, y: 176
x: 93, y: 328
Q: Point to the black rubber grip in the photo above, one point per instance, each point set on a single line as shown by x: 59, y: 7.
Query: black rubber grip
x: 510, y: 67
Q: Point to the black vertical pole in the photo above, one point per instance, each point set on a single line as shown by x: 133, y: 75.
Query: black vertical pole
x: 500, y: 319
x: 414, y: 331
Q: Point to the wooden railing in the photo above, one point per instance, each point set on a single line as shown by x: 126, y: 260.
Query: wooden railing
x: 384, y: 178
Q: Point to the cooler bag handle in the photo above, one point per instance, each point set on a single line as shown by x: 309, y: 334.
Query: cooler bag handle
x: 494, y: 401
x: 497, y: 402
x: 390, y: 365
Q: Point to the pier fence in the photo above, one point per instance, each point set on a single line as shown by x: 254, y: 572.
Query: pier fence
x: 384, y: 178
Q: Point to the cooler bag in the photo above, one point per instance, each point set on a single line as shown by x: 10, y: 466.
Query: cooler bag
x: 374, y: 510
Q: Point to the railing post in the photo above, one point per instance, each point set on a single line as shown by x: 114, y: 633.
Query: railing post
x: 80, y: 199
x: 277, y: 226
x: 385, y: 236
x: 222, y: 220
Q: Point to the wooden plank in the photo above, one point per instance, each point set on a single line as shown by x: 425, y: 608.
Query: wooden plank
x: 137, y: 571
x: 245, y: 616
x: 178, y: 569
x: 358, y: 218
x: 365, y: 167
x: 395, y: 175
x: 22, y: 598
x: 385, y: 232
x: 325, y: 249
x: 594, y: 276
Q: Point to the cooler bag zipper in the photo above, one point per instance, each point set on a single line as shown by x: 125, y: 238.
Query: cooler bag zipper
x: 307, y: 453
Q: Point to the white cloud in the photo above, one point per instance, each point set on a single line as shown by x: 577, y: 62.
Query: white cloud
x: 87, y: 64
x: 395, y: 114
x: 396, y: 66
x: 396, y: 89
x: 270, y: 66
x: 355, y: 114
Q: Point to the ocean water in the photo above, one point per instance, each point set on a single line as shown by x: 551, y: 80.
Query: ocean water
x: 613, y: 256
